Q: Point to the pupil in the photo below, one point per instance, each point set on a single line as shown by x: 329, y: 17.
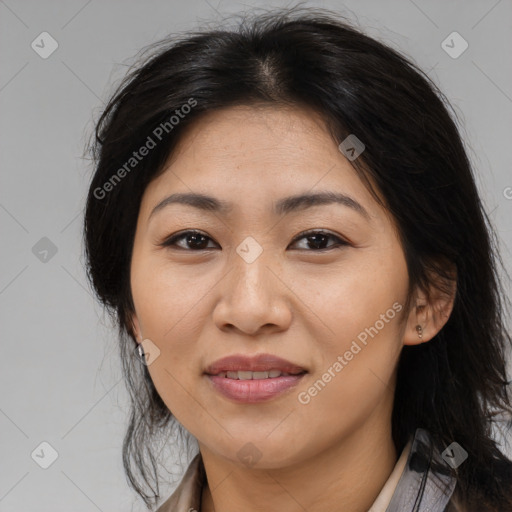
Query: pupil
x: 194, y: 237
x: 317, y: 243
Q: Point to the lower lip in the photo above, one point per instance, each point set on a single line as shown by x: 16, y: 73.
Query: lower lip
x: 254, y: 390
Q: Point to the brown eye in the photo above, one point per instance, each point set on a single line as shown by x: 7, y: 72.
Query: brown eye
x: 317, y: 240
x: 192, y: 240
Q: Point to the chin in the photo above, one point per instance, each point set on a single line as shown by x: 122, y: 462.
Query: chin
x: 262, y: 453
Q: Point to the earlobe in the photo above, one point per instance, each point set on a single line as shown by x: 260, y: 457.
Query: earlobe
x: 416, y: 331
x: 429, y: 315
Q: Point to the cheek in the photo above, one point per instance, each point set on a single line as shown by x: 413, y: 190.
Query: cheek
x: 167, y: 298
x: 358, y: 361
x: 171, y: 304
x: 362, y: 304
x: 162, y: 314
x: 353, y: 295
x: 165, y: 308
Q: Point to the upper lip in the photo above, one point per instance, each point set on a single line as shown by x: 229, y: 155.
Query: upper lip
x: 257, y: 363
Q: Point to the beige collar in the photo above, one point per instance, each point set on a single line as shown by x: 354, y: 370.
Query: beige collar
x: 382, y: 501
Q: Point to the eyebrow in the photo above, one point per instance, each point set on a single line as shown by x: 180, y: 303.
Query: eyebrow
x: 283, y: 206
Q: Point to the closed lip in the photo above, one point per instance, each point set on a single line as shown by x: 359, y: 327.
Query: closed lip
x: 256, y: 363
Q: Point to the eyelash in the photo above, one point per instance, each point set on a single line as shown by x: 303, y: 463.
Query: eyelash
x: 171, y: 241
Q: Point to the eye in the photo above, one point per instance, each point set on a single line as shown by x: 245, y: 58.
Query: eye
x: 197, y: 241
x: 317, y: 238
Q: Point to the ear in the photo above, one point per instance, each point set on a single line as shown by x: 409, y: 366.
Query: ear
x: 430, y: 311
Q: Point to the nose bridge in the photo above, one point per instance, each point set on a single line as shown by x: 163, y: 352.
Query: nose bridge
x: 251, y: 276
x: 250, y: 295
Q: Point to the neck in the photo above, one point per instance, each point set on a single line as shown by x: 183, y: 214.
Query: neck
x: 347, y: 477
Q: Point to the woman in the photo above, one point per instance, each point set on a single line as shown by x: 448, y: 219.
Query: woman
x: 285, y: 225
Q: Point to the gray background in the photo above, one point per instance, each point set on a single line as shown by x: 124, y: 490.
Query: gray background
x: 60, y: 377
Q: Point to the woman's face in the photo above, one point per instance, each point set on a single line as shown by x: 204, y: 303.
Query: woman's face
x: 331, y: 304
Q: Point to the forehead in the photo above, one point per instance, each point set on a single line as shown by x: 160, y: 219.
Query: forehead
x: 256, y: 155
x: 243, y: 135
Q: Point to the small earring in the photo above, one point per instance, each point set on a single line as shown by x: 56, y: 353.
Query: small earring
x: 140, y: 350
x: 419, y: 330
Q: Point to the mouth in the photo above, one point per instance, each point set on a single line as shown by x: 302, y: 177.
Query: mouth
x: 253, y: 379
x: 248, y: 375
x: 260, y: 366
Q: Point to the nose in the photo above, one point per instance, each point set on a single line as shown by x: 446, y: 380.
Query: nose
x: 253, y: 298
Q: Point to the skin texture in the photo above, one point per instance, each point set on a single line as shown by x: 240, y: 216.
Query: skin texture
x: 293, y: 301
